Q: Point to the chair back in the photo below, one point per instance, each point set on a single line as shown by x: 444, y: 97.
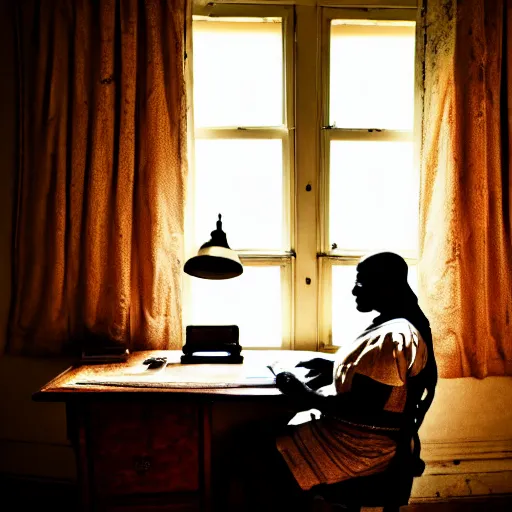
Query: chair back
x: 420, y: 394
x: 392, y: 487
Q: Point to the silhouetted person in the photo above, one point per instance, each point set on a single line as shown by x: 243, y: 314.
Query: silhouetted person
x: 369, y: 396
x: 374, y: 387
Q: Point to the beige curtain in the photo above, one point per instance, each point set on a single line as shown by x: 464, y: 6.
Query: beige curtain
x: 98, y: 251
x: 465, y: 247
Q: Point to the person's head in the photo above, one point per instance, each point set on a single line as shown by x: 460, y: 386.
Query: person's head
x: 381, y: 283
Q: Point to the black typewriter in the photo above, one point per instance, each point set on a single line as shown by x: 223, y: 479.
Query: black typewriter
x: 212, y: 344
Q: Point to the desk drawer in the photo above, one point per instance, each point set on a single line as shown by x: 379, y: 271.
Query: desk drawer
x: 144, y: 447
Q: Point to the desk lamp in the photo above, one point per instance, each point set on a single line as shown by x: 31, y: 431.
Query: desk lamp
x: 205, y: 343
x: 215, y: 259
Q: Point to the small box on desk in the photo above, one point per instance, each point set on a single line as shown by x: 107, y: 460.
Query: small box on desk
x: 107, y: 355
x: 99, y: 349
x: 212, y: 344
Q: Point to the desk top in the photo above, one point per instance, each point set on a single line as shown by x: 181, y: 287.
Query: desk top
x: 66, y: 387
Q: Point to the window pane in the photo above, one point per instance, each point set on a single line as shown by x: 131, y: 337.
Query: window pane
x: 242, y: 180
x: 372, y: 74
x: 347, y: 322
x: 374, y: 196
x: 252, y: 301
x: 238, y: 73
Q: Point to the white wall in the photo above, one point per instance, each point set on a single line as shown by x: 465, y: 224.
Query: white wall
x: 467, y: 440
x: 470, y: 409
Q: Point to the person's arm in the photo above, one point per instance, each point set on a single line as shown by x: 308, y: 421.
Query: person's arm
x: 304, y: 397
x: 366, y: 395
x: 320, y: 372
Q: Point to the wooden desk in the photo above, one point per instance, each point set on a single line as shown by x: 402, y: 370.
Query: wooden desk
x: 139, y: 448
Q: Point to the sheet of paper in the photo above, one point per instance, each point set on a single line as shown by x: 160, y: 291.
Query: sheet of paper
x: 191, y: 375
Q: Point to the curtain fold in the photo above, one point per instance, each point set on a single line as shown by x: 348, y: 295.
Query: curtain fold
x: 99, y: 235
x: 465, y: 264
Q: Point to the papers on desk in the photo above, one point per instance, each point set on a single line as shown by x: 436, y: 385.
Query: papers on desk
x: 176, y: 375
x: 300, y: 372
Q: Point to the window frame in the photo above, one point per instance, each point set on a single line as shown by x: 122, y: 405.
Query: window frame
x: 306, y: 267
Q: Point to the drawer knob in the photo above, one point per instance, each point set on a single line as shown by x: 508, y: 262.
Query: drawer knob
x: 142, y: 465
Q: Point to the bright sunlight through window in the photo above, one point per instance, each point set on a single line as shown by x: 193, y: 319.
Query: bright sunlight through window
x: 238, y: 73
x: 372, y: 74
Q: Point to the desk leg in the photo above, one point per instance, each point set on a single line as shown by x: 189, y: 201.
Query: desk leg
x: 206, y: 476
x: 77, y: 434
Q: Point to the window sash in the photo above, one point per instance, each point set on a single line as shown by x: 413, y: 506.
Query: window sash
x: 266, y: 133
x: 330, y: 133
x: 337, y: 134
x: 285, y: 132
x: 326, y: 257
x: 287, y: 268
x: 286, y: 258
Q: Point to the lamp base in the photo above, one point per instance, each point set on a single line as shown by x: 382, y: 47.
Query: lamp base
x: 224, y: 359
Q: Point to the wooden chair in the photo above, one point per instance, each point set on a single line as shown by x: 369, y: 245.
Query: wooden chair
x: 391, y: 488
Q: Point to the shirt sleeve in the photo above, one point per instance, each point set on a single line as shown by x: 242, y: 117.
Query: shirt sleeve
x: 392, y: 354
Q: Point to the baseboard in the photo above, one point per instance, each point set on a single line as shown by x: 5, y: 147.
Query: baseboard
x: 495, y: 503
x: 462, y: 469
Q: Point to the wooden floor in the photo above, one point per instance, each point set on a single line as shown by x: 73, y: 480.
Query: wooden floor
x: 34, y: 494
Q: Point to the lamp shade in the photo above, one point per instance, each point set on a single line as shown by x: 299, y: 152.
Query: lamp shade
x: 215, y: 259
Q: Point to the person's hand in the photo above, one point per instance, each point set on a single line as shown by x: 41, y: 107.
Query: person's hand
x: 290, y: 385
x: 320, y: 369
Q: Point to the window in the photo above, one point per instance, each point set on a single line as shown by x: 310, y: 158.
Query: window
x: 307, y: 151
